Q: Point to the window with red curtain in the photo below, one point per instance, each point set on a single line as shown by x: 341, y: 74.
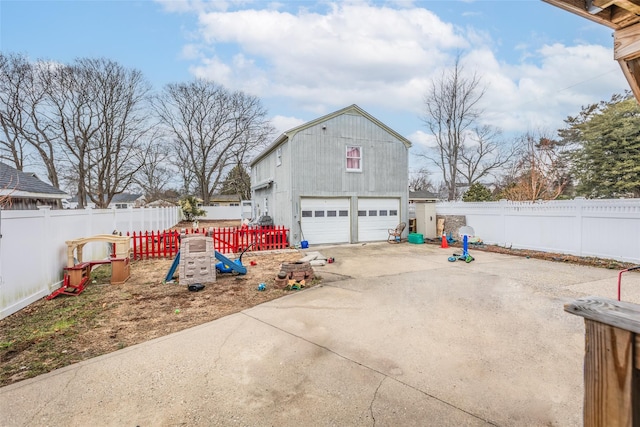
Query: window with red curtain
x: 354, y: 158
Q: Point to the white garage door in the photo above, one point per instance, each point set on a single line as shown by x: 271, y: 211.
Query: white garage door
x: 325, y: 220
x: 376, y: 217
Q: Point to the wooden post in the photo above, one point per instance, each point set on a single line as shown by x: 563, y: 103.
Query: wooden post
x: 611, y: 362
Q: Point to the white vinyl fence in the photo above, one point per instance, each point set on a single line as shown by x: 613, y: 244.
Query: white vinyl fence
x: 33, y: 252
x: 598, y: 228
x: 242, y: 211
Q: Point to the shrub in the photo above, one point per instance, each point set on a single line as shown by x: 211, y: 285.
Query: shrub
x: 477, y: 193
x: 190, y: 210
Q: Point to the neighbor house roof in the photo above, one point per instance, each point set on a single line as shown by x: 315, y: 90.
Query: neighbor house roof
x: 125, y: 198
x: 225, y: 198
x: 16, y: 183
x: 352, y: 108
x: 422, y: 195
x: 118, y: 198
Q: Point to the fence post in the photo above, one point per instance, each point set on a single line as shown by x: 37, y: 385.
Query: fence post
x: 130, y: 212
x: 46, y: 224
x: 579, y: 203
x: 611, y: 361
x: 502, y: 206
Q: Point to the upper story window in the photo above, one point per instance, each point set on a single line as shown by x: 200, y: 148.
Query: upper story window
x: 279, y: 156
x: 354, y: 159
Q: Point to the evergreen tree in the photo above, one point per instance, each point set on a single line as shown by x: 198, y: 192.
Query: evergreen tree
x: 237, y: 182
x: 607, y: 161
x: 477, y: 193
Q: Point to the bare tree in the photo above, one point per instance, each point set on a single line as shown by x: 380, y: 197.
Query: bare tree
x: 156, y: 171
x: 420, y: 181
x: 119, y: 96
x: 451, y: 111
x: 540, y: 173
x: 25, y: 122
x: 95, y: 116
x: 212, y: 129
x: 15, y: 71
x: 485, y: 154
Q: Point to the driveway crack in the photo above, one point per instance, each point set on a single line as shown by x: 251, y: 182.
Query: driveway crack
x: 375, y: 396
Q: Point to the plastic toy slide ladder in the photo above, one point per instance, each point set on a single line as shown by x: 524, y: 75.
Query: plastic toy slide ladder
x: 172, y: 270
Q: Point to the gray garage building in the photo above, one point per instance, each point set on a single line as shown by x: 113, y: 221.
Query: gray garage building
x: 341, y: 178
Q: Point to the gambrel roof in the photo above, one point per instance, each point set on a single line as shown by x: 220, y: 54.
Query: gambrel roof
x: 350, y: 109
x: 16, y: 183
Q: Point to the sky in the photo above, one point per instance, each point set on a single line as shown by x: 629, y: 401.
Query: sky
x: 537, y: 63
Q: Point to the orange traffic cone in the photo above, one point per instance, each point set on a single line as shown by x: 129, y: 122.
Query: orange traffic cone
x: 445, y: 244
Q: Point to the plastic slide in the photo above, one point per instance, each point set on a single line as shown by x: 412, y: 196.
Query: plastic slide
x: 235, y: 266
x: 172, y: 270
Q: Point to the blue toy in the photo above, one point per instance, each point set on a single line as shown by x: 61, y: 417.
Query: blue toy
x: 228, y: 266
x: 466, y: 257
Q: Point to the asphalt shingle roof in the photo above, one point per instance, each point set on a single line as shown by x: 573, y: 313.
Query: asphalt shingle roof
x: 13, y: 180
x: 118, y: 198
x: 422, y: 195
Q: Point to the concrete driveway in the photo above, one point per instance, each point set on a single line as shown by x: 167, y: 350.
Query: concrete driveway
x: 396, y: 336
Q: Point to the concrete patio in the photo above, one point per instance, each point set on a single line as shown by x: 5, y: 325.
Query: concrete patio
x: 396, y: 335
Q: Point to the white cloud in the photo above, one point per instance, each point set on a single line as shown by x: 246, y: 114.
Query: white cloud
x: 331, y: 55
x: 347, y: 54
x: 283, y: 124
x: 421, y: 141
x: 541, y: 95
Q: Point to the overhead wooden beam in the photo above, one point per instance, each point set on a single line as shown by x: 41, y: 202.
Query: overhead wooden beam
x: 626, y: 50
x: 622, y: 17
x: 579, y: 7
x: 630, y: 5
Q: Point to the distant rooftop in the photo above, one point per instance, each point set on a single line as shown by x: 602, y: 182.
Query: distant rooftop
x: 422, y: 195
x: 22, y: 184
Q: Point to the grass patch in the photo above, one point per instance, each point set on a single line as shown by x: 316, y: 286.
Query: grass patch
x: 101, y: 274
x: 32, y: 343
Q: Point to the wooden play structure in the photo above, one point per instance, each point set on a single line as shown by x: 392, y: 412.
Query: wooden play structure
x: 78, y: 272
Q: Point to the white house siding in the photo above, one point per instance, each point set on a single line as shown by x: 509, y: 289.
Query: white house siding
x: 384, y: 168
x: 278, y: 194
x: 314, y: 166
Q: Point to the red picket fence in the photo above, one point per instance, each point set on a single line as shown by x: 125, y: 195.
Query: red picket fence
x: 166, y: 244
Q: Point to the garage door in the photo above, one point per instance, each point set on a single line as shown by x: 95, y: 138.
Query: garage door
x: 376, y: 217
x: 325, y: 220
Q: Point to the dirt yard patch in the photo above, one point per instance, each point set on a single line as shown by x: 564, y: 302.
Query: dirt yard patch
x: 48, y: 335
